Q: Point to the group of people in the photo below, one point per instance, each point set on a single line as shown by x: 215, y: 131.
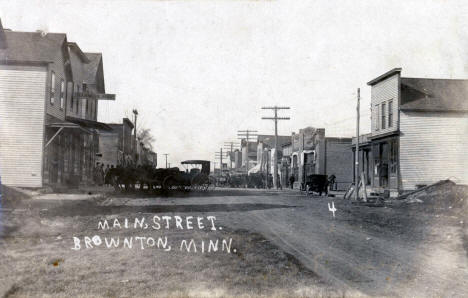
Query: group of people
x: 101, y: 174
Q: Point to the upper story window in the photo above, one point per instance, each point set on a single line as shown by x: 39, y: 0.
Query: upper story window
x: 384, y: 121
x: 71, y: 94
x: 77, y: 98
x: 390, y: 113
x: 87, y: 108
x: 62, y: 94
x: 52, y: 87
x: 377, y: 117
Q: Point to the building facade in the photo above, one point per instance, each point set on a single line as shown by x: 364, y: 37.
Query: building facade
x: 310, y: 152
x: 419, y: 132
x: 48, y: 142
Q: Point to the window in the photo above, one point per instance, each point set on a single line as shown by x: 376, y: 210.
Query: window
x: 87, y: 108
x: 390, y: 113
x: 377, y: 117
x: 62, y: 94
x: 384, y: 121
x: 52, y: 87
x: 71, y: 94
x: 77, y: 97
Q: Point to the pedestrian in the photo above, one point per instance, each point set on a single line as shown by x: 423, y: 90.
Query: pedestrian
x: 96, y: 173
x: 291, y: 181
x: 101, y: 175
x: 331, y: 181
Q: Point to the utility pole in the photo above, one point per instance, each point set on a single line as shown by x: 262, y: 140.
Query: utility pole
x: 166, y: 154
x: 356, y: 170
x: 230, y: 146
x: 220, y: 156
x: 246, y: 134
x: 275, y: 156
x: 135, y: 114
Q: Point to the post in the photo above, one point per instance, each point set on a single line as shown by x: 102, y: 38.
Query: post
x: 135, y: 113
x: 275, y: 157
x: 166, y: 154
x: 247, y: 134
x: 221, y: 161
x: 247, y: 154
x: 356, y: 165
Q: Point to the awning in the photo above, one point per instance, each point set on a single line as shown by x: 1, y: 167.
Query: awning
x: 61, y: 126
x: 102, y: 96
x: 67, y: 125
x: 90, y: 124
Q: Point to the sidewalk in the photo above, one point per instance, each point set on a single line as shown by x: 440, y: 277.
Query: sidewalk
x: 82, y: 193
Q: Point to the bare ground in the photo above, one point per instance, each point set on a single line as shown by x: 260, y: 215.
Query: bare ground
x: 286, y: 245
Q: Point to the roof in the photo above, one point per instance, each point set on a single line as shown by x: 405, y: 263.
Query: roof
x: 420, y: 94
x: 3, y: 43
x: 269, y: 140
x: 93, y: 71
x: 195, y: 161
x: 74, y: 47
x: 384, y: 76
x: 33, y: 47
x: 89, y: 123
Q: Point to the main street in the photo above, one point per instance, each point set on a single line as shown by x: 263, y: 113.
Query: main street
x: 394, y: 250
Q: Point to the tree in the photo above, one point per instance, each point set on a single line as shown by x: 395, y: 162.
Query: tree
x: 145, y: 136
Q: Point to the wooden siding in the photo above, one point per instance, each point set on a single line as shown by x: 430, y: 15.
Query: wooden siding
x: 109, y: 148
x: 433, y: 147
x: 22, y: 94
x: 59, y: 69
x: 384, y: 91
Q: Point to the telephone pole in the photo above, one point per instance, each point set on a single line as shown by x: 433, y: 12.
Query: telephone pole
x: 230, y: 146
x: 220, y: 156
x: 166, y: 154
x: 246, y: 134
x: 135, y: 114
x: 275, y: 156
x: 356, y: 170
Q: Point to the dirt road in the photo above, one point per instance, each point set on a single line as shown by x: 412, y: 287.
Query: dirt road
x: 286, y: 244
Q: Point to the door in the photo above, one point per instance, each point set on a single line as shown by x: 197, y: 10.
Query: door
x: 384, y: 160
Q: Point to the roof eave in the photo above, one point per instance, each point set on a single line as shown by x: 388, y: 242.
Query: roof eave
x: 384, y: 76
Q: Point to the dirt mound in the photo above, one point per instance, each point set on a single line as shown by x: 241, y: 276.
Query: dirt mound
x: 445, y: 195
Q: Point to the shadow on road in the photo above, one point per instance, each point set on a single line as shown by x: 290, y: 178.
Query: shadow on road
x: 91, y: 209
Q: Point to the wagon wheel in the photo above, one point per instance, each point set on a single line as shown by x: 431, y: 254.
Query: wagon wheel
x: 168, y: 183
x: 195, y: 183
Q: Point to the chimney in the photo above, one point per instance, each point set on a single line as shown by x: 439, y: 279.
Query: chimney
x: 42, y: 32
x: 3, y: 42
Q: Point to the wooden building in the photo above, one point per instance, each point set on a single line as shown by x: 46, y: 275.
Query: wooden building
x: 115, y: 146
x: 419, y: 132
x: 45, y: 141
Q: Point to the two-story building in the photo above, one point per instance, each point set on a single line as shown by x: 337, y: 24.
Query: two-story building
x: 249, y: 154
x: 115, y: 146
x: 419, y: 132
x: 40, y: 144
x: 312, y: 153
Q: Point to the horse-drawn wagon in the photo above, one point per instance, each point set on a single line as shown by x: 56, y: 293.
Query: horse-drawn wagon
x: 195, y: 177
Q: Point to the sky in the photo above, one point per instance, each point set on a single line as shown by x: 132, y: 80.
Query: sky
x: 199, y: 71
